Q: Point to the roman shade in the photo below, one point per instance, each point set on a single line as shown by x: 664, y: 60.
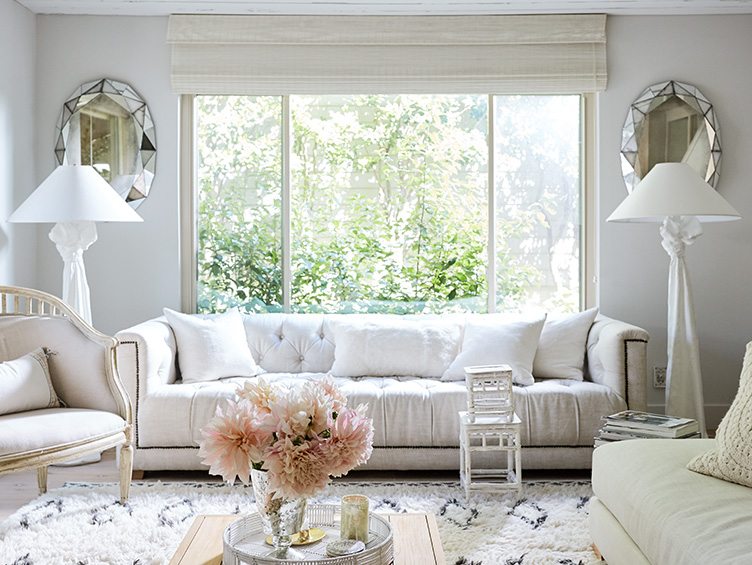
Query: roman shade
x: 387, y: 54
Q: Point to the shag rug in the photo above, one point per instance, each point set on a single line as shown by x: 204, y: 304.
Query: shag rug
x: 84, y: 524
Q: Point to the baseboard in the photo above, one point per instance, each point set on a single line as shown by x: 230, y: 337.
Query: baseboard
x: 714, y: 413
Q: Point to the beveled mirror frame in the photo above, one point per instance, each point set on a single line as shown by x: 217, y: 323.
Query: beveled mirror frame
x: 136, y: 174
x: 649, y: 100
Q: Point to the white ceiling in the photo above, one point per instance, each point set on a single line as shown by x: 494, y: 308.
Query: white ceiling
x: 384, y: 7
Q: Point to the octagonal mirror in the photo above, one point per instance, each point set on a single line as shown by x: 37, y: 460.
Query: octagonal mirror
x: 107, y: 125
x: 670, y: 122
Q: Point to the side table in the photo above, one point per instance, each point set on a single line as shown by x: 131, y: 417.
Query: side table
x: 498, y: 435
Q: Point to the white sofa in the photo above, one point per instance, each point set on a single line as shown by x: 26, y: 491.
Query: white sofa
x: 649, y: 509
x: 415, y: 419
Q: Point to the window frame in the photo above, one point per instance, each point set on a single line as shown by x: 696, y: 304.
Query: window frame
x: 188, y: 205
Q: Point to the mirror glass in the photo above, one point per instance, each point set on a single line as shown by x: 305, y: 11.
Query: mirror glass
x: 670, y: 122
x: 107, y: 125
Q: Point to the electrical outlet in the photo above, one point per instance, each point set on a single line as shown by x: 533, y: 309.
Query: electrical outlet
x: 659, y: 377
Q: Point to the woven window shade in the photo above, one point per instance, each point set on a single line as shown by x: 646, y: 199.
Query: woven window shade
x: 387, y: 54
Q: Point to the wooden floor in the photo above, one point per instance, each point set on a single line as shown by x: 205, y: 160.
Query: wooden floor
x: 17, y: 489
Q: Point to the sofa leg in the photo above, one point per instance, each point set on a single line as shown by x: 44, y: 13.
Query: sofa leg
x: 597, y: 552
x: 42, y: 479
x: 137, y: 475
x: 126, y: 468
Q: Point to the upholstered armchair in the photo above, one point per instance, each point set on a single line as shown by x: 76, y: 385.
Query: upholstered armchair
x: 95, y: 413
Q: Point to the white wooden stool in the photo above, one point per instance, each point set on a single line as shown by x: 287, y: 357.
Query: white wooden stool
x: 498, y: 435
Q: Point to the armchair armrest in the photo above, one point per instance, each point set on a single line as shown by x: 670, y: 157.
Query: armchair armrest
x: 617, y: 357
x: 146, y: 358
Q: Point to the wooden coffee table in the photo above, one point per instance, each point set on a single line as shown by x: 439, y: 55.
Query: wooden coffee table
x: 416, y: 540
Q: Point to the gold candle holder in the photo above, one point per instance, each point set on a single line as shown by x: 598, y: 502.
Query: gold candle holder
x: 354, y: 520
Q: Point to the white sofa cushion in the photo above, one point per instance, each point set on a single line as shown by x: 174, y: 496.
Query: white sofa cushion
x: 393, y: 347
x: 494, y: 339
x: 42, y: 429
x: 561, y: 348
x: 25, y: 384
x: 731, y: 457
x: 211, y: 347
x: 295, y: 343
x: 675, y: 516
x: 406, y: 411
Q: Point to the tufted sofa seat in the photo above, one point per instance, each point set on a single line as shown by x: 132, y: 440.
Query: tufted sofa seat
x: 415, y: 418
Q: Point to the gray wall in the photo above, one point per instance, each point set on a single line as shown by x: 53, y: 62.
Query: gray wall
x: 711, y: 52
x: 17, y: 47
x: 134, y: 269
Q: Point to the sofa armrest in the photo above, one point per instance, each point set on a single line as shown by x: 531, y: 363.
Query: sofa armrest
x: 146, y: 358
x: 617, y: 357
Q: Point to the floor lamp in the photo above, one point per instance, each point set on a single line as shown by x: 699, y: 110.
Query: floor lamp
x: 675, y: 196
x: 74, y: 197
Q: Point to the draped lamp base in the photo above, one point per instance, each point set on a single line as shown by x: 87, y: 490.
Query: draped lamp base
x: 71, y: 240
x: 684, y: 397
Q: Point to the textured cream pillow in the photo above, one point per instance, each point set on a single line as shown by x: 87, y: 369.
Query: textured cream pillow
x: 211, y: 347
x: 393, y: 347
x: 25, y: 384
x: 731, y: 460
x: 492, y: 339
x: 562, y: 345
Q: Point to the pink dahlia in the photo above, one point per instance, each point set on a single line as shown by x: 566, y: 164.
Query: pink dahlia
x: 320, y: 405
x: 290, y: 415
x: 337, y: 400
x: 260, y: 393
x: 351, y: 441
x: 232, y: 441
x: 297, y: 471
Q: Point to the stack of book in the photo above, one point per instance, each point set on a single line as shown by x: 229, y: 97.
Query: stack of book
x: 632, y: 424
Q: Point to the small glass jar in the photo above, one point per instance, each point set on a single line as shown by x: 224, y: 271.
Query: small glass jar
x: 354, y: 520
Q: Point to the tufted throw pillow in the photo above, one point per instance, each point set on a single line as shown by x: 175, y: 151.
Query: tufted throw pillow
x: 493, y: 339
x: 562, y: 346
x: 392, y: 347
x: 25, y: 384
x: 731, y: 460
x: 211, y: 347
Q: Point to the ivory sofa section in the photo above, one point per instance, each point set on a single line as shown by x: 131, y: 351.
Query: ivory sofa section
x: 650, y: 509
x: 415, y: 419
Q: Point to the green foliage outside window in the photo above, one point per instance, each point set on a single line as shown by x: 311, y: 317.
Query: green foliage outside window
x: 389, y: 209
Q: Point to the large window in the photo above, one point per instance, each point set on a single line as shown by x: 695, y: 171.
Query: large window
x: 381, y: 203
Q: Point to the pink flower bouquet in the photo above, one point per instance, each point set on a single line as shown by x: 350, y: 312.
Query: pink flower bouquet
x: 301, y: 435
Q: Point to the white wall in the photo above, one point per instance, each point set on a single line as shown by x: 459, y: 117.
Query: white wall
x: 134, y: 269
x: 711, y: 52
x: 17, y: 46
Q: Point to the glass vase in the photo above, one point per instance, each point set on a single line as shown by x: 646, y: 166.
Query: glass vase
x: 281, y: 517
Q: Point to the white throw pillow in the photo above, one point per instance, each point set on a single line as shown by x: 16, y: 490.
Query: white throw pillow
x: 561, y: 349
x: 731, y: 460
x: 494, y: 339
x: 211, y: 347
x: 393, y: 347
x: 25, y: 384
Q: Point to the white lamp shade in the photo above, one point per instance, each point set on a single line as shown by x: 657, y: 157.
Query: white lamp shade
x: 673, y: 189
x: 74, y: 193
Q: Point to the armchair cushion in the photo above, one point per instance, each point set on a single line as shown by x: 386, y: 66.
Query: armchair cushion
x: 731, y: 458
x: 27, y: 432
x: 25, y: 384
